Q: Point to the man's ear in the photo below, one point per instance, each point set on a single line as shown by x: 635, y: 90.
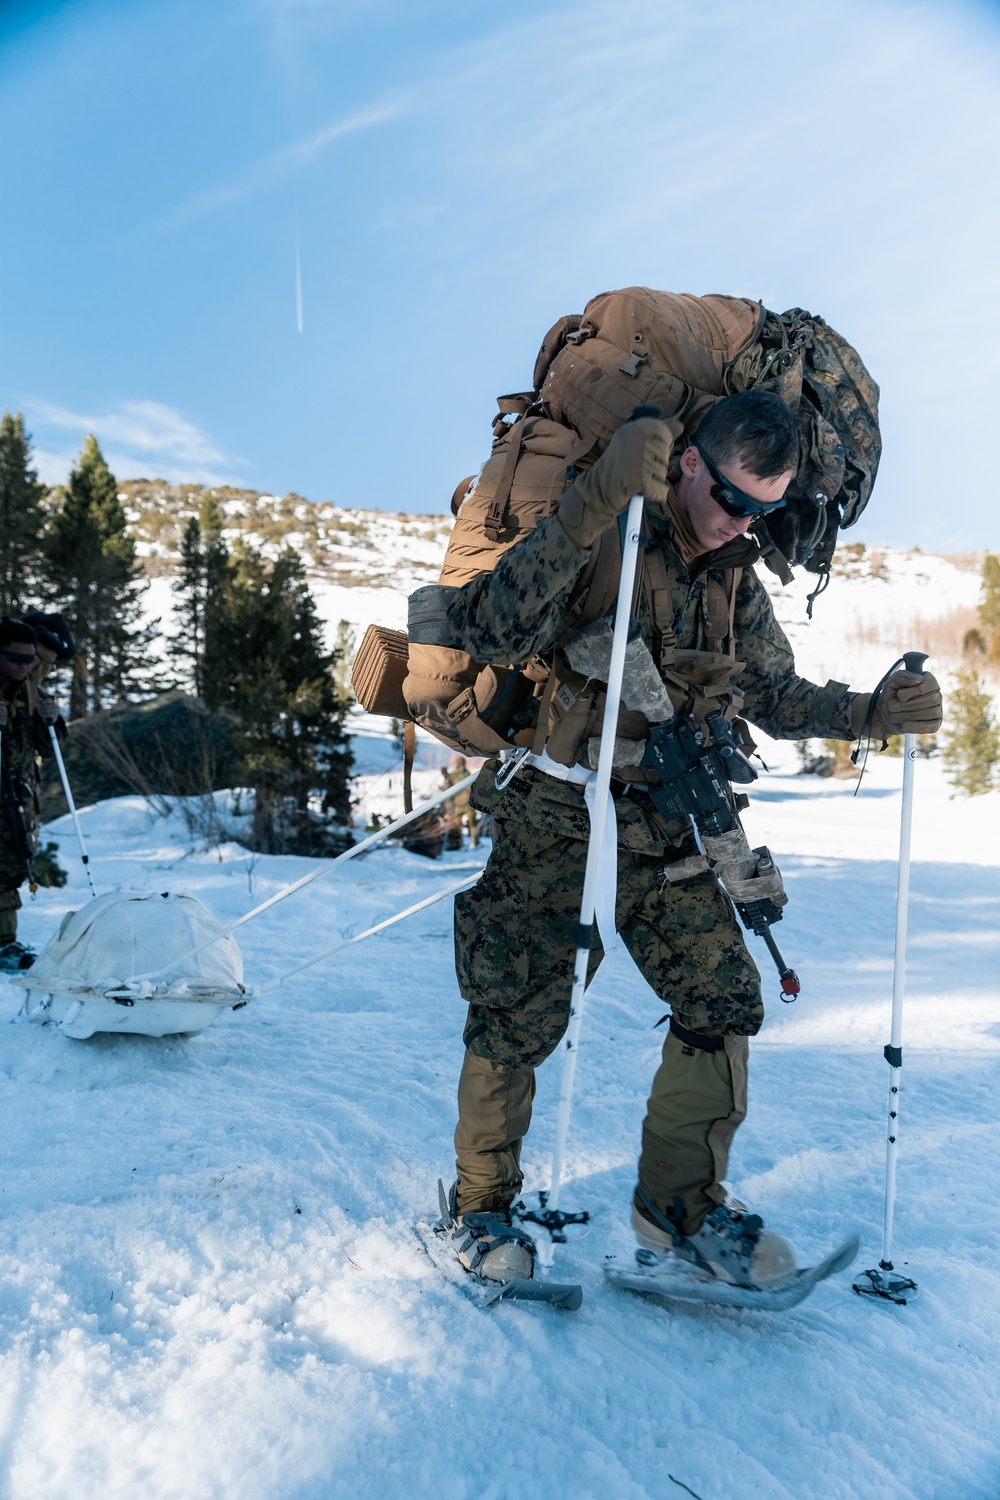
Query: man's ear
x: 689, y: 461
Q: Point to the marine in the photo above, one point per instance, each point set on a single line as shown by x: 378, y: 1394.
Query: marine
x: 708, y: 623
x: 25, y: 716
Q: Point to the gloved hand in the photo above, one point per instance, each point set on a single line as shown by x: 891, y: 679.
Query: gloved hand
x: 907, y: 704
x: 635, y: 461
x: 3, y: 713
x: 49, y: 709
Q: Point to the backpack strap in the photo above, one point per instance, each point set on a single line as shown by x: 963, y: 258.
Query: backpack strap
x: 496, y: 516
x: 656, y: 585
x: 409, y: 750
x: 495, y: 519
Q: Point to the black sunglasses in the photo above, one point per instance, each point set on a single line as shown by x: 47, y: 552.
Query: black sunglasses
x: 18, y: 658
x: 736, y: 502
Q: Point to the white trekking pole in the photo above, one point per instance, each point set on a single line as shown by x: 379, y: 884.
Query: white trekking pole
x: 600, y: 813
x: 884, y: 1281
x: 84, y: 856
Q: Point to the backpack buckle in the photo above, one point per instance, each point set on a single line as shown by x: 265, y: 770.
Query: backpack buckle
x: 510, y: 767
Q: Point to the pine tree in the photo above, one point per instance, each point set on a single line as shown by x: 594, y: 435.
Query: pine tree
x: 267, y: 669
x: 344, y: 643
x: 21, y: 515
x: 989, y: 599
x: 92, y: 576
x: 204, y: 571
x: 972, y: 746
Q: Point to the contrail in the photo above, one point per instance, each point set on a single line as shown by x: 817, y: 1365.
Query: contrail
x: 298, y: 278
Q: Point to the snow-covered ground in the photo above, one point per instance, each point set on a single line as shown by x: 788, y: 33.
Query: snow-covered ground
x: 209, y: 1281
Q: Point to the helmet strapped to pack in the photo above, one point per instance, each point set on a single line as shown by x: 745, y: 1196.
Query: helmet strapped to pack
x: 821, y: 377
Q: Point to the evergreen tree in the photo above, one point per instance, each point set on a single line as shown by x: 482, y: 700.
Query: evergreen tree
x: 92, y: 576
x: 204, y: 571
x: 344, y: 643
x: 267, y: 669
x: 989, y: 599
x: 972, y: 746
x: 21, y: 515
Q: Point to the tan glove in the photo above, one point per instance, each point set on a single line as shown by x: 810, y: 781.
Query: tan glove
x: 634, y: 462
x: 49, y: 710
x: 907, y: 704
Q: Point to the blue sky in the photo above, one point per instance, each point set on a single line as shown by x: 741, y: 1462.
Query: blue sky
x: 453, y: 177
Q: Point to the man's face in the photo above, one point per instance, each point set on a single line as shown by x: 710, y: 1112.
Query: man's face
x: 16, y: 661
x: 713, y: 526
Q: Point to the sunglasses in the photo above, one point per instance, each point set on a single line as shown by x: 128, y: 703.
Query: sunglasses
x: 735, y: 502
x: 18, y: 658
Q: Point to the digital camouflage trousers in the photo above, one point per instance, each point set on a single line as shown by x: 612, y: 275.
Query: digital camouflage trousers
x: 514, y: 946
x: 515, y: 953
x: 12, y: 875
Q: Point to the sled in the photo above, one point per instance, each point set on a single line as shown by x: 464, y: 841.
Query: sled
x: 85, y: 979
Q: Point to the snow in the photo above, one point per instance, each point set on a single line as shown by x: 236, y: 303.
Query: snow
x: 209, y: 1281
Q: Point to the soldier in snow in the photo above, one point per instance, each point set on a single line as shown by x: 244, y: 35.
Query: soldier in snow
x: 25, y: 715
x: 709, y: 625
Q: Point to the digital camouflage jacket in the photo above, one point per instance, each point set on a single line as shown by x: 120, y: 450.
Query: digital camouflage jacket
x: 517, y: 612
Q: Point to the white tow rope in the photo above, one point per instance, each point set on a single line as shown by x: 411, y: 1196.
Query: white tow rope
x: 450, y: 890
x: 298, y: 885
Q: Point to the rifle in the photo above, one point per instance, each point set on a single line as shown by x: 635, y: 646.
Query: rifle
x: 695, y: 774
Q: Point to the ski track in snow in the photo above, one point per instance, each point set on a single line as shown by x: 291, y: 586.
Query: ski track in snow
x: 209, y: 1280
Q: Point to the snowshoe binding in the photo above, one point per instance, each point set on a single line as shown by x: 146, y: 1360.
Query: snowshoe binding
x: 730, y: 1260
x: 497, y: 1258
x: 16, y: 957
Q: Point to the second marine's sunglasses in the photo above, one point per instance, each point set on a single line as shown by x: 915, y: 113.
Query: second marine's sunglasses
x: 736, y: 502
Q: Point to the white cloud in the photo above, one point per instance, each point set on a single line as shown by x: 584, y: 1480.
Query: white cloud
x: 139, y: 439
x: 277, y: 164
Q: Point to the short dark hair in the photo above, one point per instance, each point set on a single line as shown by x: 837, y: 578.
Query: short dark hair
x: 755, y: 427
x: 16, y: 630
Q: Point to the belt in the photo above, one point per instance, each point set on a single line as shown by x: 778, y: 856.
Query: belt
x: 607, y: 878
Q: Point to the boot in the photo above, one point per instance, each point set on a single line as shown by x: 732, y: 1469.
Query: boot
x: 731, y: 1244
x: 15, y: 957
x: 487, y: 1244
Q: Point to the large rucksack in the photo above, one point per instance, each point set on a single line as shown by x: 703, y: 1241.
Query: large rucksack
x: 629, y: 348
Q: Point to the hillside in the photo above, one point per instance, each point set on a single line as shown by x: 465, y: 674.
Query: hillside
x: 351, y: 548
x: 363, y: 564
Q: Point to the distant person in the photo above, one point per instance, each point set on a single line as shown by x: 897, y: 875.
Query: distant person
x: 25, y: 716
x: 54, y: 643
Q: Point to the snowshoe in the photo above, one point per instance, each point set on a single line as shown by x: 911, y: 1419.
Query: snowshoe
x: 731, y: 1260
x: 15, y: 957
x: 487, y: 1244
x: 491, y: 1258
x: 731, y: 1245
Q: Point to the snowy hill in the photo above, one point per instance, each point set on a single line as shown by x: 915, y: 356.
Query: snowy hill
x: 209, y: 1280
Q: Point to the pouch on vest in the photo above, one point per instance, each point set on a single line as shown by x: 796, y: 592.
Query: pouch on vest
x: 447, y: 691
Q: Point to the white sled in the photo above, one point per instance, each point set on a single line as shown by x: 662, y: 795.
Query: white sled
x: 84, y: 980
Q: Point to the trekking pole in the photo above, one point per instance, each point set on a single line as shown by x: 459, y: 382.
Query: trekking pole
x: 883, y: 1281
x: 602, y: 796
x: 84, y: 856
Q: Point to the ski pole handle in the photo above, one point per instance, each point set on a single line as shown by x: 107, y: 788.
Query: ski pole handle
x: 913, y: 661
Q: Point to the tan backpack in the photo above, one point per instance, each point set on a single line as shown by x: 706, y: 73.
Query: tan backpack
x: 628, y: 348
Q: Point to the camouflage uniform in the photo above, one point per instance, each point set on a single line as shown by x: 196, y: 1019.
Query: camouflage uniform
x: 514, y: 931
x: 25, y: 738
